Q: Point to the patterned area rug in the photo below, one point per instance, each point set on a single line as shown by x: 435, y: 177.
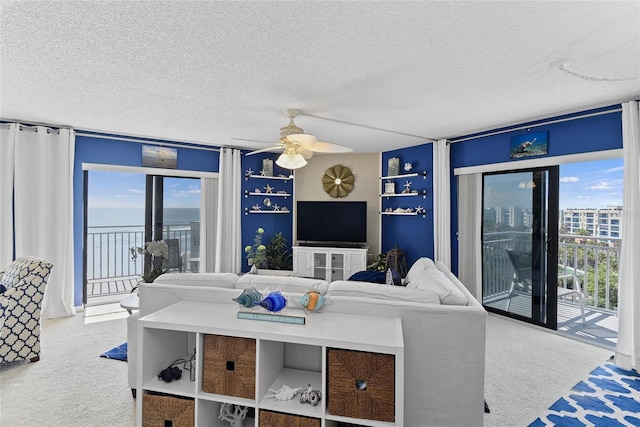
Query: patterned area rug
x: 609, y: 397
x: 118, y: 353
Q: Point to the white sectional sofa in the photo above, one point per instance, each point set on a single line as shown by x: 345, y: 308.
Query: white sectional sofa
x: 443, y: 327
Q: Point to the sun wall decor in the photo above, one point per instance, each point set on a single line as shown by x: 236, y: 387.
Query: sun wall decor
x: 338, y: 181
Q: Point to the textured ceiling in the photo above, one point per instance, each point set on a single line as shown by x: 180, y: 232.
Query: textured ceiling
x: 216, y: 72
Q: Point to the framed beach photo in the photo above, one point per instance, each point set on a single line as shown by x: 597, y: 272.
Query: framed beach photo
x: 531, y: 144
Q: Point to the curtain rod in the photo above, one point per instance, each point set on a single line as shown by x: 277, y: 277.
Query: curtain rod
x: 160, y: 143
x: 523, y: 127
x: 30, y: 128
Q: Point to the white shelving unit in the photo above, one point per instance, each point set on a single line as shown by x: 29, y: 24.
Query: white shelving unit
x: 328, y: 263
x: 265, y: 195
x: 416, y: 193
x: 295, y: 355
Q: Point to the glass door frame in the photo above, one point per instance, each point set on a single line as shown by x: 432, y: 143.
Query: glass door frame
x: 546, y: 217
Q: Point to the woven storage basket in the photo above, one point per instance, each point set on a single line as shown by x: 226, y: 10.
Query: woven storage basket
x: 157, y: 409
x: 229, y: 366
x: 277, y: 419
x: 346, y: 369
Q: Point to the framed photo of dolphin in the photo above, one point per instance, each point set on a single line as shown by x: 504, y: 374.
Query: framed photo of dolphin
x: 530, y: 144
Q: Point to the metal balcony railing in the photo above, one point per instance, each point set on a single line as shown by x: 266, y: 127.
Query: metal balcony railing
x: 109, y: 257
x: 593, y: 259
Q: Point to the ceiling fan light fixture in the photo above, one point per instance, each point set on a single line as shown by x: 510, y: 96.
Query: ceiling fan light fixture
x: 291, y: 161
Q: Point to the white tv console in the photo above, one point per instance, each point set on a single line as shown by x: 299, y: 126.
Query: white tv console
x: 328, y: 263
x: 295, y: 355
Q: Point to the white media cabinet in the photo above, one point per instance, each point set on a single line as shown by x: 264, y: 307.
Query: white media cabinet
x: 295, y: 355
x: 328, y: 263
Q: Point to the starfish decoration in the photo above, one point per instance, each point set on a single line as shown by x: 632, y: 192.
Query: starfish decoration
x: 268, y: 189
x: 276, y: 207
x: 263, y: 172
x: 255, y: 207
x: 408, y: 185
x: 420, y: 210
x: 249, y: 172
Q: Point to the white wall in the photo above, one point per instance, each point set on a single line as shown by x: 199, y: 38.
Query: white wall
x: 366, y: 169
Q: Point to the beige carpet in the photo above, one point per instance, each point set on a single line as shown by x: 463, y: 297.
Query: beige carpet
x: 527, y: 369
x: 70, y: 385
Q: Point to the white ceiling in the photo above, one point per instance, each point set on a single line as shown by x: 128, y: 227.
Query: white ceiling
x: 209, y: 72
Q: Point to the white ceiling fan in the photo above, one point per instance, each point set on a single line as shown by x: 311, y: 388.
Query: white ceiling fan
x: 298, y: 146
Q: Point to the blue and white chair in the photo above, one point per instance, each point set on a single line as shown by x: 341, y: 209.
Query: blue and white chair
x: 22, y: 286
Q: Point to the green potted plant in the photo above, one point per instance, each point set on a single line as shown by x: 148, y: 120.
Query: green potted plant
x: 278, y: 255
x: 377, y: 262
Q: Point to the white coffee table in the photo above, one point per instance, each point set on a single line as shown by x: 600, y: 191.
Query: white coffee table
x: 130, y: 302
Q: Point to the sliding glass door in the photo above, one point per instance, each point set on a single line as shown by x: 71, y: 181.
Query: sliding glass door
x: 519, y: 244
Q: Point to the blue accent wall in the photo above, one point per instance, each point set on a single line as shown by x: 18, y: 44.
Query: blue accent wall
x: 271, y: 223
x: 411, y: 234
x: 90, y: 149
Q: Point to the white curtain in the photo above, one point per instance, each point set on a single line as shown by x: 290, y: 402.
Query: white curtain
x: 208, y: 223
x: 469, y: 232
x: 43, y: 193
x: 628, y: 347
x: 442, y: 202
x: 7, y: 146
x: 228, y: 246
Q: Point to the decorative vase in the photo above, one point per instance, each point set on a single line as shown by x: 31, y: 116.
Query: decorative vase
x: 254, y: 269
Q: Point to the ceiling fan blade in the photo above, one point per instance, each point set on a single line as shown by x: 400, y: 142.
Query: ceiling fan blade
x: 264, y: 150
x: 306, y: 153
x: 302, y: 139
x: 328, y: 147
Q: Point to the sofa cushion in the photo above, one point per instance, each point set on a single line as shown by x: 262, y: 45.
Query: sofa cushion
x: 219, y: 280
x: 299, y: 285
x: 425, y: 275
x: 381, y: 291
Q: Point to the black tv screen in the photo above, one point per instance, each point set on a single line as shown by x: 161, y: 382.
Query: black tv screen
x: 332, y: 223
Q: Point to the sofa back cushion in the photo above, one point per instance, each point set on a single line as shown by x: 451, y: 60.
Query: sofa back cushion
x: 299, y: 285
x: 219, y: 280
x: 380, y: 291
x: 425, y: 275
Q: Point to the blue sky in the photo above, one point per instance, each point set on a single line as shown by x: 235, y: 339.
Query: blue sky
x: 126, y: 190
x: 591, y: 184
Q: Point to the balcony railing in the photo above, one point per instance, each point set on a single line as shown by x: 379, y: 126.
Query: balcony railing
x: 593, y: 259
x: 109, y: 256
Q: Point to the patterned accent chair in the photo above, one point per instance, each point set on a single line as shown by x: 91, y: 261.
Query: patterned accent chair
x: 23, y: 284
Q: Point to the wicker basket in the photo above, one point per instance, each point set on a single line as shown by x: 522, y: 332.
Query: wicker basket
x: 159, y: 409
x: 277, y: 419
x: 361, y: 385
x: 229, y: 366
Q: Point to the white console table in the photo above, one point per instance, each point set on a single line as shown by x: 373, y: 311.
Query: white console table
x: 328, y: 263
x: 295, y: 355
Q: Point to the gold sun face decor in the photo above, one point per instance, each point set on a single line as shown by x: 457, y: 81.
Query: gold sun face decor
x: 338, y: 181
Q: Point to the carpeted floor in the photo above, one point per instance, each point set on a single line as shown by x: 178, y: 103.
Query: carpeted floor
x: 608, y: 397
x: 527, y: 370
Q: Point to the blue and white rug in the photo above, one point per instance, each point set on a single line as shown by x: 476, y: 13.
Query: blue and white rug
x: 609, y: 397
x: 118, y: 353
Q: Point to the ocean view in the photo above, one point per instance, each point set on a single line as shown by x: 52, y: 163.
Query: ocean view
x: 110, y: 217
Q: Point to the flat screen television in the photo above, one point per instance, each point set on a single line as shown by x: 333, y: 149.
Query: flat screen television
x: 323, y: 223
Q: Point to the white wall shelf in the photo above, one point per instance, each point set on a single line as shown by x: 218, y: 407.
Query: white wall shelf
x: 282, y: 178
x: 252, y: 193
x: 423, y: 174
